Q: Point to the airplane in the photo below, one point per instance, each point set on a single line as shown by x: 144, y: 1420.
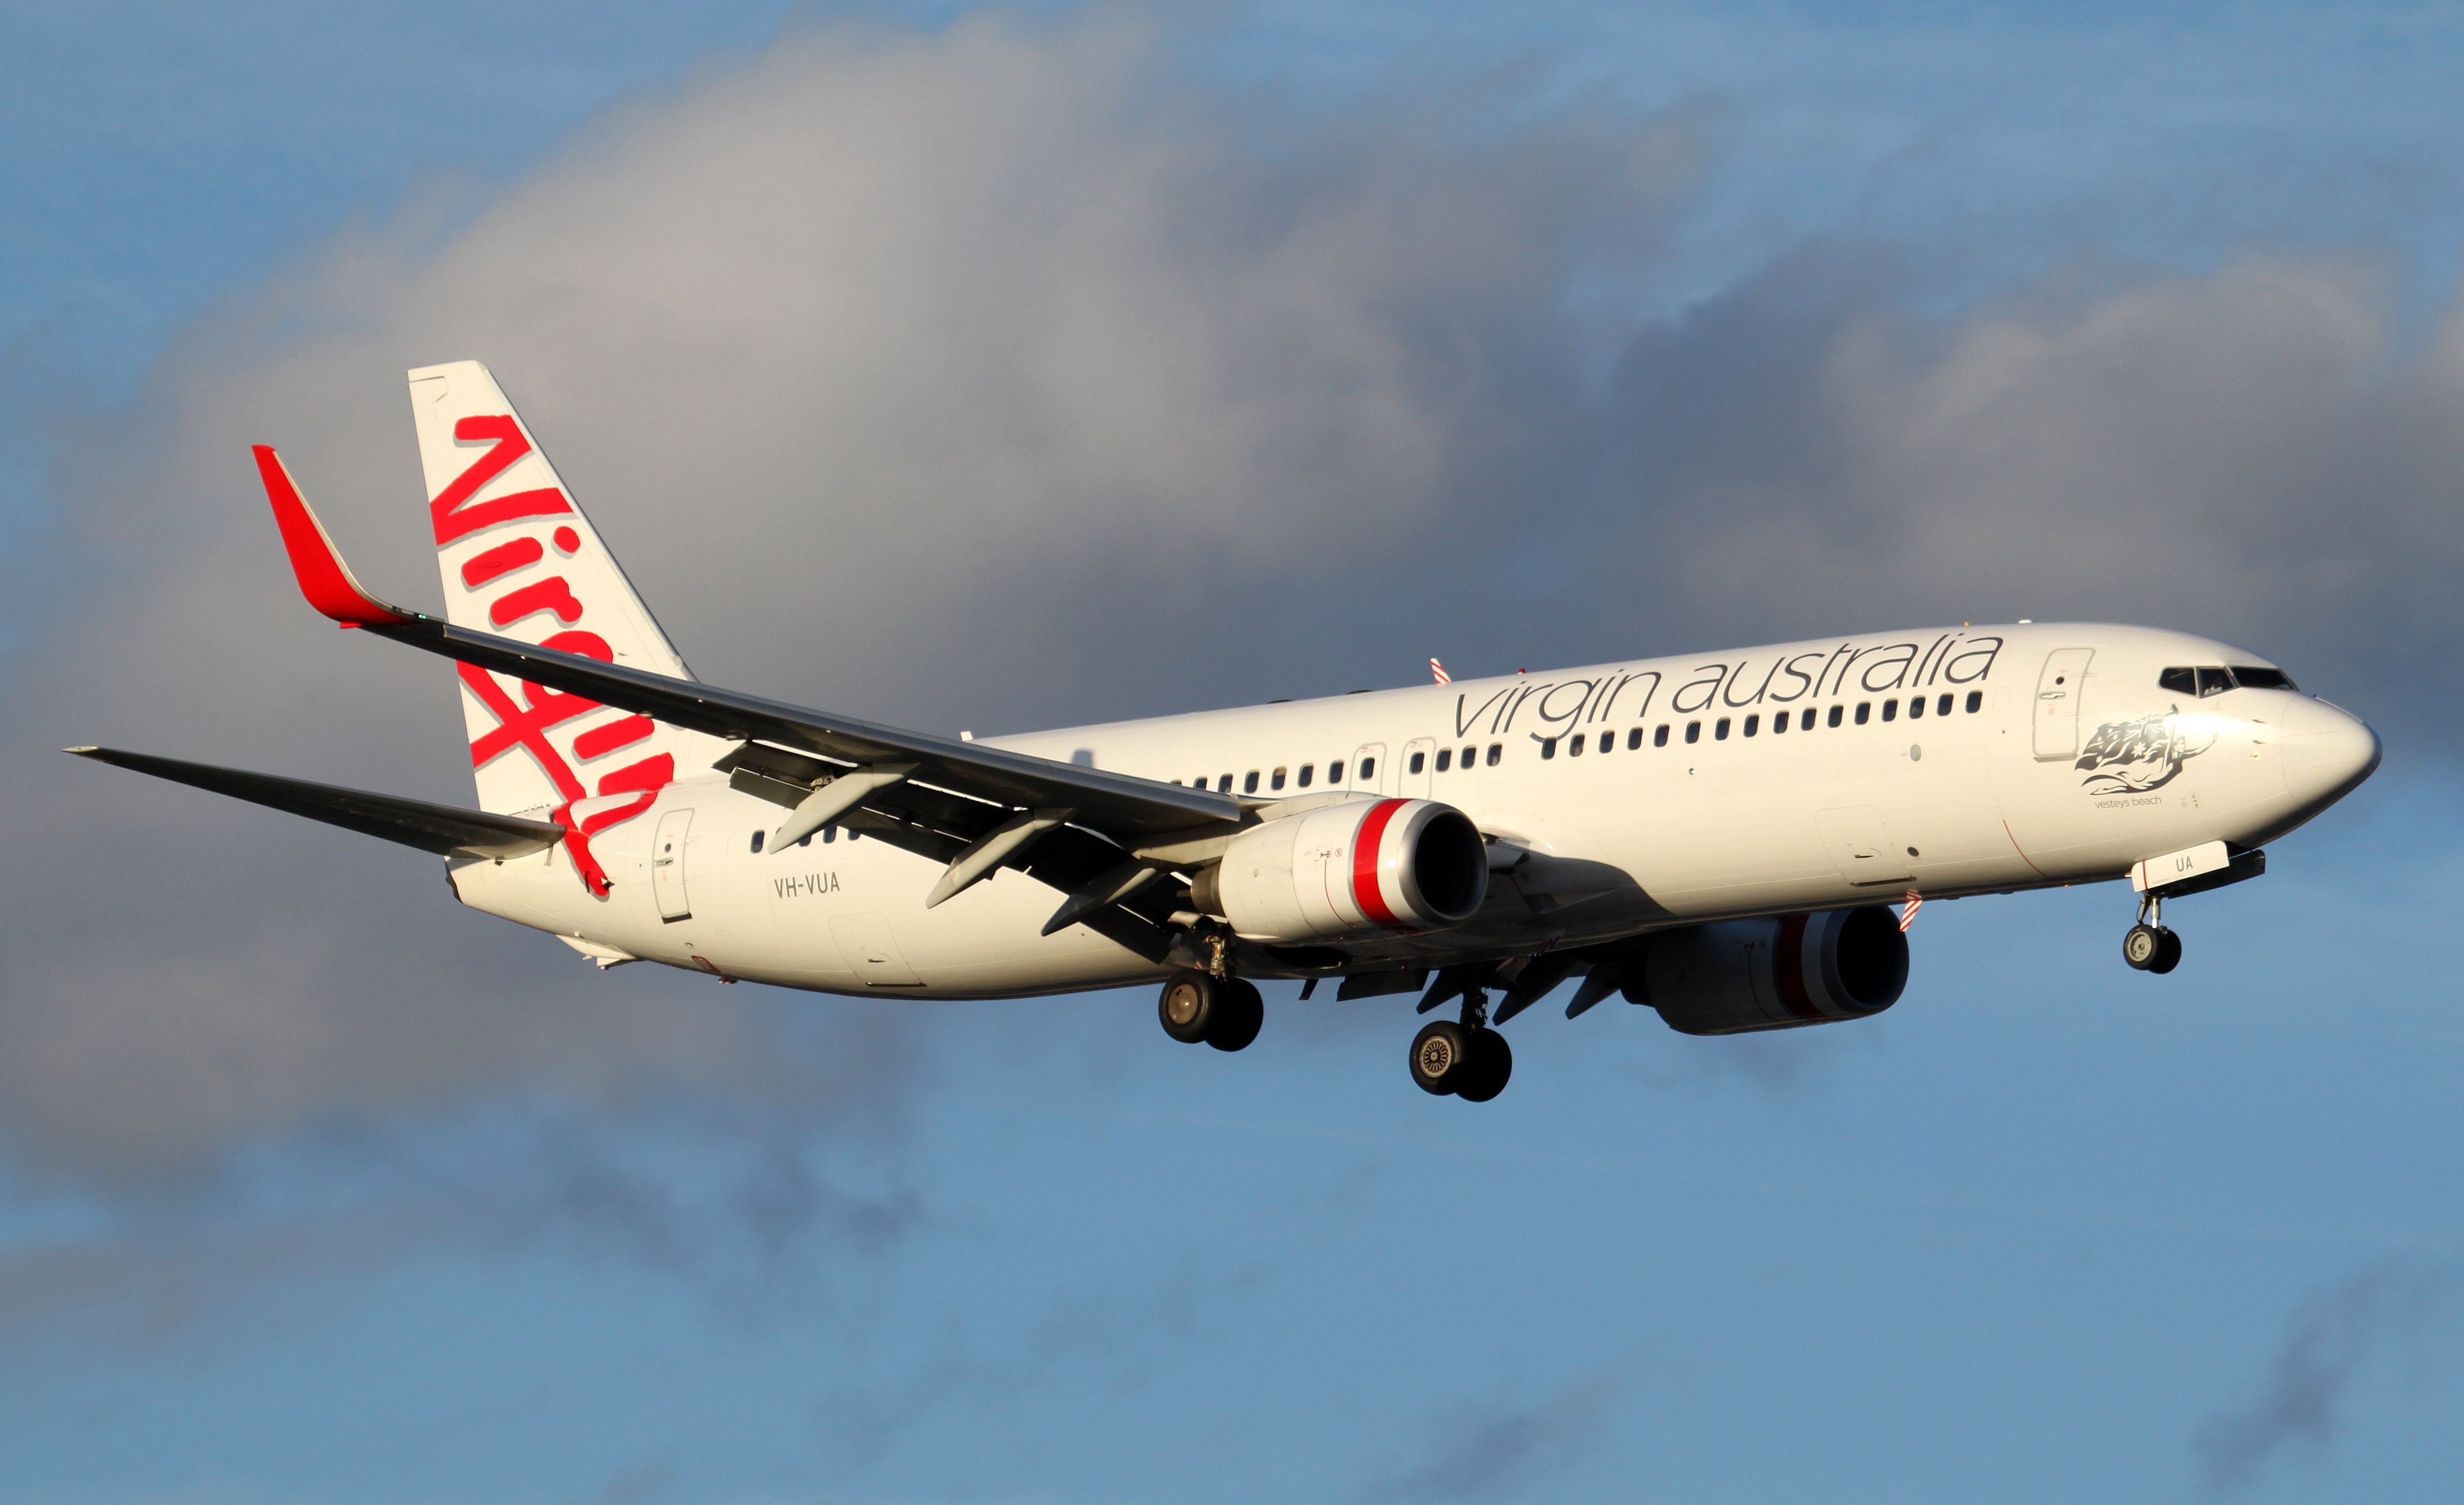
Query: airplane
x: 1718, y: 836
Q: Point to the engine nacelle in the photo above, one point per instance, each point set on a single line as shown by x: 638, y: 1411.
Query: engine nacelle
x: 1775, y: 975
x: 1362, y: 868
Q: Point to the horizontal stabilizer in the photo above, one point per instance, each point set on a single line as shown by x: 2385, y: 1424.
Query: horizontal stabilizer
x: 442, y: 829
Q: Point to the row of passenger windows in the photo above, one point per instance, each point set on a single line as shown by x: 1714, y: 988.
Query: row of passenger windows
x: 829, y: 833
x: 1471, y: 756
x: 1802, y: 720
x: 2206, y: 681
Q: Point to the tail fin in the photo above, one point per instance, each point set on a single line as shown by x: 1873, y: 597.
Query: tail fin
x: 520, y: 559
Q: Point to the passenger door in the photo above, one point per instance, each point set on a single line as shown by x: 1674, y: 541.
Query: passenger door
x: 2058, y: 702
x: 668, y: 865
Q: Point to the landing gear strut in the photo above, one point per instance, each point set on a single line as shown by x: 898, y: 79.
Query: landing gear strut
x: 1465, y: 1060
x: 2149, y: 946
x: 1224, y: 1012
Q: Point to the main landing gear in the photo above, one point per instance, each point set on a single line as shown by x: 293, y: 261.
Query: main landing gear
x: 1226, y: 1013
x: 2148, y: 947
x: 1466, y: 1059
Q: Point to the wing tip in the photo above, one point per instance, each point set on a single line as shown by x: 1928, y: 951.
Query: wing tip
x: 314, y: 562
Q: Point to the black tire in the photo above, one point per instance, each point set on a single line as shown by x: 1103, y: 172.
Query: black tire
x: 1438, y: 1053
x: 2168, y: 953
x: 1187, y: 1007
x: 1238, y: 1015
x: 1491, y: 1063
x: 2141, y: 945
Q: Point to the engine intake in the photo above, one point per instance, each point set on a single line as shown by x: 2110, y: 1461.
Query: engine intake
x: 1361, y: 867
x: 1740, y: 976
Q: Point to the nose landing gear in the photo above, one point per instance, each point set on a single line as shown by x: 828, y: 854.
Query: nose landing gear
x: 2148, y: 947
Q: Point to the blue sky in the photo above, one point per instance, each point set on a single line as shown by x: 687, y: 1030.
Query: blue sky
x: 320, y: 1188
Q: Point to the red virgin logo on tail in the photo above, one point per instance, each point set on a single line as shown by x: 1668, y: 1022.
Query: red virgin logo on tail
x: 527, y: 725
x: 453, y: 519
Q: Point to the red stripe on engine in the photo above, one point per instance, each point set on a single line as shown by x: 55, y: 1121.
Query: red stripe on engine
x: 1788, y: 962
x: 1365, y: 890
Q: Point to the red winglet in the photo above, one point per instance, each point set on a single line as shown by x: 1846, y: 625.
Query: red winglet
x: 323, y: 577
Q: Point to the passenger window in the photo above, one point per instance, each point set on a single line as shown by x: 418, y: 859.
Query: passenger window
x: 1445, y: 758
x: 1916, y: 707
x: 1864, y: 708
x: 1420, y: 761
x: 757, y: 840
x: 1634, y: 739
x: 854, y: 833
x: 2250, y: 676
x: 1942, y: 707
x: 1890, y: 709
x: 2213, y: 682
x: 1660, y: 736
x: 1780, y: 723
x: 1309, y: 771
x: 1693, y: 732
x: 829, y: 834
x: 2178, y: 680
x: 1608, y: 740
x: 1720, y: 730
x: 1975, y: 701
x: 1224, y: 785
x: 1834, y: 715
x: 1470, y: 755
x: 1249, y: 782
x: 1275, y: 781
x: 1496, y: 751
x: 808, y: 839
x: 1549, y: 746
x: 1335, y: 772
x: 1805, y: 722
x: 1368, y: 769
x: 1753, y: 724
x: 1575, y: 743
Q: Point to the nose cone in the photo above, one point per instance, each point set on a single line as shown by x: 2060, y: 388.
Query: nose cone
x: 2326, y: 753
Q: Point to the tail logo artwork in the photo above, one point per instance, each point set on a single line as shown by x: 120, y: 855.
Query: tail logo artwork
x: 509, y: 568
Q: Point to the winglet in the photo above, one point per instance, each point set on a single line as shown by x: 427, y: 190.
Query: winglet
x: 323, y: 577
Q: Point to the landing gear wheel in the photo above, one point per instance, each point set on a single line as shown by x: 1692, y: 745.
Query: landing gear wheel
x: 1188, y: 1007
x: 1484, y: 1073
x: 2168, y: 952
x: 1237, y: 1015
x: 2144, y: 945
x: 1440, y: 1052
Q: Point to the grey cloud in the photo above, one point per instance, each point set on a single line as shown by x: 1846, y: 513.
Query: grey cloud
x: 2331, y: 1340
x: 764, y: 1216
x: 2265, y: 454
x: 1501, y: 1448
x: 969, y: 380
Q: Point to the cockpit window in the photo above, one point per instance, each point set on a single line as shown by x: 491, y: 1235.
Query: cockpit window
x: 2212, y: 681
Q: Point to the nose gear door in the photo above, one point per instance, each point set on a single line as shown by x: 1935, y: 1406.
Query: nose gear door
x: 2056, y: 714
x: 668, y: 865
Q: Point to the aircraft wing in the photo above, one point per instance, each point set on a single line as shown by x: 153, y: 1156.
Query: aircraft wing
x: 957, y: 801
x: 446, y: 830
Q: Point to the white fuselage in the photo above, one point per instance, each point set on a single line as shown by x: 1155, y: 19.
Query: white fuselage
x: 2072, y: 764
